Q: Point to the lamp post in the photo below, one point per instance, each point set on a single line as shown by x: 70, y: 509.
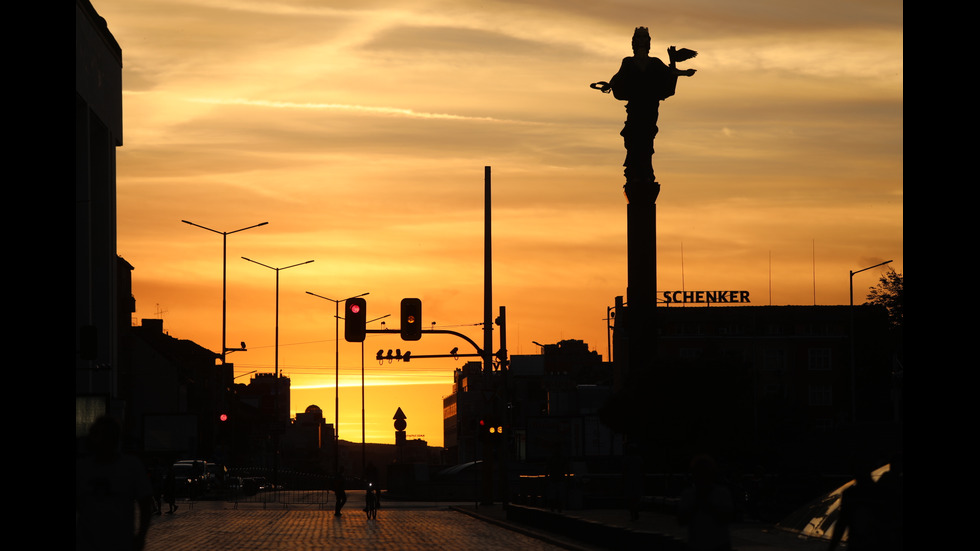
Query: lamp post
x: 276, y: 402
x: 363, y: 418
x: 336, y: 388
x: 853, y: 368
x: 224, y: 279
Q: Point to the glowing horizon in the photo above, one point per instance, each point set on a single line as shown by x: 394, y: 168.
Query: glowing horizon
x: 361, y: 135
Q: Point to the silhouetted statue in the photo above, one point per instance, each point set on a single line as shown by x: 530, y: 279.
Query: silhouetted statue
x: 643, y: 82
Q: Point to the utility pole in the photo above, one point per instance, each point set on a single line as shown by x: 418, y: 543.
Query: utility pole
x: 487, y: 277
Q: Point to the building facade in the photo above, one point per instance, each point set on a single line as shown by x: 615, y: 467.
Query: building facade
x: 98, y: 132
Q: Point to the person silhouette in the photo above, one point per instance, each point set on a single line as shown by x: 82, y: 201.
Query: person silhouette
x: 863, y: 512
x: 340, y: 491
x: 108, y: 486
x: 371, y: 502
x: 890, y: 484
x: 706, y: 508
x: 170, y: 490
x: 371, y: 474
x: 156, y: 484
x: 643, y: 82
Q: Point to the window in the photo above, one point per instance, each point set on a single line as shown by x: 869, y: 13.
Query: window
x: 689, y: 354
x: 819, y: 359
x: 773, y: 359
x: 821, y: 395
x: 774, y: 390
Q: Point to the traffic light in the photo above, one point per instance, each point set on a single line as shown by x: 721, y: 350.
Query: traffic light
x: 355, y: 319
x: 411, y: 327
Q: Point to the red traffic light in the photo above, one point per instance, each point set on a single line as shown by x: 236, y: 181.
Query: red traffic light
x: 355, y: 320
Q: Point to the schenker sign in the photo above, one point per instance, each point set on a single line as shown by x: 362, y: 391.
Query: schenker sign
x: 706, y: 297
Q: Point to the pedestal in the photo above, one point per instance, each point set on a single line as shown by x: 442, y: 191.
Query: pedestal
x: 641, y: 290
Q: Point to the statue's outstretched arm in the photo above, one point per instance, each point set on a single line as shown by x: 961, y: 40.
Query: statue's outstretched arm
x: 602, y: 86
x: 682, y: 54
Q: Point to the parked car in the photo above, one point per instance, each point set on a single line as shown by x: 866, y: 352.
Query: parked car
x: 190, y: 477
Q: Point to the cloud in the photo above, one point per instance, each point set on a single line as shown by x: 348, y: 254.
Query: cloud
x: 393, y: 111
x: 360, y: 133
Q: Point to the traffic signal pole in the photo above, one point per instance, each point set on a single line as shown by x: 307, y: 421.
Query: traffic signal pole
x: 487, y: 277
x: 479, y: 351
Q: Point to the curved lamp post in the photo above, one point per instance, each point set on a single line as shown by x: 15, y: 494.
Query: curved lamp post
x: 363, y: 418
x: 276, y: 403
x: 224, y: 280
x: 853, y: 368
x: 336, y: 388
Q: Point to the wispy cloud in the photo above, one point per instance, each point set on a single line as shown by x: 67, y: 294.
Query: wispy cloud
x: 361, y: 135
x: 395, y: 111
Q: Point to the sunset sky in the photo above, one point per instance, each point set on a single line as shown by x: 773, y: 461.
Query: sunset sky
x: 360, y: 134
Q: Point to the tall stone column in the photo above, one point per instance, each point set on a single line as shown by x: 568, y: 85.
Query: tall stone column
x: 641, y: 290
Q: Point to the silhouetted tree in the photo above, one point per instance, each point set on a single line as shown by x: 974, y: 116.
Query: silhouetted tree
x: 890, y: 293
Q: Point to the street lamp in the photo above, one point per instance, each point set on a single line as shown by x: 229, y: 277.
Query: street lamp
x: 276, y: 403
x: 224, y: 280
x: 336, y: 388
x: 853, y: 368
x: 277, y: 303
x: 363, y: 419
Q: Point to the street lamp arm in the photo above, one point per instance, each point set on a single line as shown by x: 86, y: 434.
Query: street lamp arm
x: 223, y: 232
x: 248, y: 228
x: 337, y: 301
x: 224, y: 278
x: 323, y: 297
x: 276, y: 269
x: 869, y: 267
x: 202, y: 227
x: 259, y: 263
x: 294, y: 265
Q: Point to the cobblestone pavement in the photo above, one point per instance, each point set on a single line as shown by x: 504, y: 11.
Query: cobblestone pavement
x: 311, y: 526
x: 745, y: 536
x: 309, y: 529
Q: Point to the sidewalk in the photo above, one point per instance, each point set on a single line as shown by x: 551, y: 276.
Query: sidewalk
x: 745, y: 536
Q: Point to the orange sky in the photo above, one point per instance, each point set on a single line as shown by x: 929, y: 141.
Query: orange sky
x: 361, y: 135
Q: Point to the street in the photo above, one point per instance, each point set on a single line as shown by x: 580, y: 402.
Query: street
x: 219, y: 526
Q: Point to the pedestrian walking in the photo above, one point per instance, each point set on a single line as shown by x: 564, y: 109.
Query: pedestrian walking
x: 339, y: 490
x: 156, y: 483
x: 170, y: 490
